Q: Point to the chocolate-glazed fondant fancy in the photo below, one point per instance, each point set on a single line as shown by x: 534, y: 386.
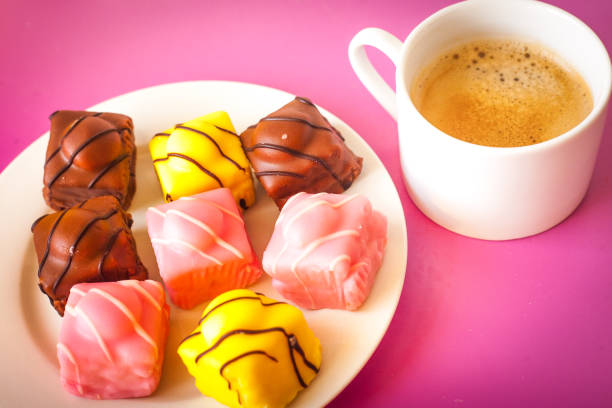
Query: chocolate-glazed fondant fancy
x: 296, y: 149
x: 89, y: 154
x: 251, y: 351
x: 201, y: 155
x: 91, y: 242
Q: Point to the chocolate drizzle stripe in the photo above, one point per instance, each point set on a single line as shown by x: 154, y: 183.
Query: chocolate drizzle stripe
x: 308, y: 102
x: 301, y: 155
x: 213, y: 142
x: 64, y: 136
x: 226, y: 130
x: 191, y: 160
x: 74, y: 125
x: 72, y: 249
x: 107, y: 251
x: 304, y: 100
x: 106, y: 169
x: 292, y: 344
x: 190, y: 336
x: 338, y: 133
x: 81, y: 147
x: 279, y: 173
x: 162, y: 134
x: 241, y: 356
x: 290, y: 119
x: 300, y: 351
x: 36, y: 221
x: 48, y: 248
x: 235, y: 299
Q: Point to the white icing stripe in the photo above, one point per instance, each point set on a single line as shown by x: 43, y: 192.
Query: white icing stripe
x: 314, y: 244
x: 312, y: 302
x: 121, y: 306
x: 187, y: 245
x: 77, y: 291
x: 136, y: 285
x: 320, y: 241
x: 275, y: 263
x: 64, y: 349
x: 158, y: 212
x: 311, y: 247
x: 337, y: 260
x: 293, y: 197
x: 225, y: 210
x: 77, y: 311
x: 300, y: 213
x: 278, y: 257
x: 222, y: 243
x: 314, y: 205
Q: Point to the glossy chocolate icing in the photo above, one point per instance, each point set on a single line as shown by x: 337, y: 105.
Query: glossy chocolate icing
x: 91, y: 242
x: 296, y: 149
x: 89, y: 154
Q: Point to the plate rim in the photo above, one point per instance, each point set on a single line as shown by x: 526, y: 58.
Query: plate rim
x: 33, y: 146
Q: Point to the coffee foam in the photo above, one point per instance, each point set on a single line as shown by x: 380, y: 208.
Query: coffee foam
x: 501, y: 93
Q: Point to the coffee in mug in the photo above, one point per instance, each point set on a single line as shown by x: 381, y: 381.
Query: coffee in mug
x: 482, y: 191
x: 501, y: 92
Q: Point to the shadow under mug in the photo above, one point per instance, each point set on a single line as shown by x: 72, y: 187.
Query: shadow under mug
x: 493, y: 193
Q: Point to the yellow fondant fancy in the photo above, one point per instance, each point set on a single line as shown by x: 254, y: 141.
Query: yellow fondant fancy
x: 201, y: 155
x: 251, y: 351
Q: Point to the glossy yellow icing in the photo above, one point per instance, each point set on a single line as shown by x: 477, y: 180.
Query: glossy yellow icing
x: 243, y: 352
x: 200, y: 155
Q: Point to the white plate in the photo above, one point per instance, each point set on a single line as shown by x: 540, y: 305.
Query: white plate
x: 29, y: 375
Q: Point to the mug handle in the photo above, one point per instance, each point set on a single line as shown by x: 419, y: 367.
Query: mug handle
x: 371, y: 79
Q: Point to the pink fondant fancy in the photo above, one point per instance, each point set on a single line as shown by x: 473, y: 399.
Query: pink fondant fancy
x: 326, y: 250
x: 201, y: 246
x: 112, y: 339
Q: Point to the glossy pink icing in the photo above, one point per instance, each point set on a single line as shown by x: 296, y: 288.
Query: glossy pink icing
x: 201, y: 247
x: 112, y: 339
x: 325, y: 250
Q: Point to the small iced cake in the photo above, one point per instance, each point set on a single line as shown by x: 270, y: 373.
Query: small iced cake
x: 201, y: 155
x: 325, y: 250
x: 251, y: 351
x: 296, y: 149
x: 112, y: 339
x: 91, y: 242
x: 202, y: 247
x: 89, y: 154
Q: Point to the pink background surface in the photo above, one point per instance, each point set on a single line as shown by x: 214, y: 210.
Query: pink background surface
x: 479, y: 324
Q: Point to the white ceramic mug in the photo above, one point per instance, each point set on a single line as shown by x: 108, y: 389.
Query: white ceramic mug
x: 480, y: 191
